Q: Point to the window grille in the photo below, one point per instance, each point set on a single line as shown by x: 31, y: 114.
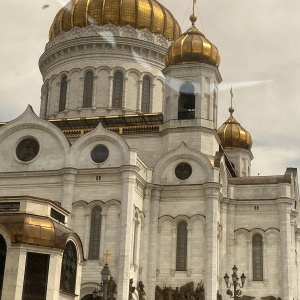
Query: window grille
x: 118, y: 90
x: 146, y: 92
x: 257, y: 257
x: 36, y: 276
x: 63, y: 94
x: 69, y: 269
x: 181, y: 251
x: 95, y: 233
x: 3, y: 250
x: 88, y: 89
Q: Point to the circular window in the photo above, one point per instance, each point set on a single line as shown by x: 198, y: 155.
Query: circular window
x: 99, y: 154
x: 183, y: 171
x: 27, y: 149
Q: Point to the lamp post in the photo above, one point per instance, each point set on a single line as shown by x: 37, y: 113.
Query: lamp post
x: 235, y: 283
x: 105, y: 274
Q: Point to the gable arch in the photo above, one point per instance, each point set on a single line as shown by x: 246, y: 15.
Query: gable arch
x: 183, y: 154
x: 119, y: 151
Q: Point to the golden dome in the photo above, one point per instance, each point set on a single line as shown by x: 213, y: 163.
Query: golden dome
x: 192, y: 47
x: 139, y: 14
x: 233, y: 135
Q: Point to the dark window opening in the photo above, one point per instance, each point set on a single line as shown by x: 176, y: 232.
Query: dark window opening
x: 36, y: 276
x: 88, y: 89
x: 63, y: 94
x: 118, y: 90
x: 181, y: 249
x: 69, y: 269
x: 146, y: 93
x: 257, y: 257
x: 3, y: 251
x: 186, y: 102
x: 95, y: 233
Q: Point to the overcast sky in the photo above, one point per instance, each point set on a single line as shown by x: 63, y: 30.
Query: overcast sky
x: 259, y: 45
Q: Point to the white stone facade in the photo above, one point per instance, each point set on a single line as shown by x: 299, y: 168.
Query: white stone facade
x: 142, y: 200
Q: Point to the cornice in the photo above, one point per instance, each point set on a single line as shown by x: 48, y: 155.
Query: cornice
x: 105, y: 42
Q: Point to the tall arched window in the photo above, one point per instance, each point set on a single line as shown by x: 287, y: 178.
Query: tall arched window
x: 95, y: 233
x: 257, y: 257
x: 146, y: 93
x: 186, y: 102
x: 118, y: 90
x: 88, y: 89
x: 3, y: 250
x: 69, y: 269
x: 63, y: 93
x: 181, y: 249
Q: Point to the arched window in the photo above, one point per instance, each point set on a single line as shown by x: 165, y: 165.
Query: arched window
x: 95, y: 233
x: 146, y: 93
x: 118, y: 90
x: 186, y: 102
x: 69, y: 269
x: 63, y: 94
x: 88, y: 89
x: 257, y: 257
x: 3, y: 250
x: 181, y: 249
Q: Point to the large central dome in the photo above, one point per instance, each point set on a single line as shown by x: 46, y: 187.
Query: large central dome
x: 139, y: 14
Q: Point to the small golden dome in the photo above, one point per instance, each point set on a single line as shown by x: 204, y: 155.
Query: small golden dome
x: 192, y: 47
x: 139, y: 14
x: 233, y: 135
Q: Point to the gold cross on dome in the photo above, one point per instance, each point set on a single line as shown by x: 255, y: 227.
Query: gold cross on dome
x: 106, y: 254
x: 194, y: 2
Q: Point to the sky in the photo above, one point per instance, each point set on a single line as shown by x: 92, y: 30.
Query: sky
x: 259, y: 44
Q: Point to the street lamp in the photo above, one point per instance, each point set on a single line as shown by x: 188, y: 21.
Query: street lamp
x: 235, y: 283
x: 103, y: 291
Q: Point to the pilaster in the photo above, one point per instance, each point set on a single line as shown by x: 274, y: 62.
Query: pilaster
x: 211, y: 271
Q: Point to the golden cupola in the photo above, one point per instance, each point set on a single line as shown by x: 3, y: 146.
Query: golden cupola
x: 149, y: 14
x: 192, y: 47
x: 233, y: 135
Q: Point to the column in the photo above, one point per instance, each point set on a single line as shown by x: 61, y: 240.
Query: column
x: 151, y: 108
x: 110, y: 93
x: 68, y: 180
x: 152, y: 264
x: 128, y: 181
x: 284, y: 209
x: 223, y: 244
x: 53, y: 278
x: 250, y: 274
x: 265, y: 260
x: 68, y: 95
x: 189, y: 251
x: 94, y: 92
x: 140, y: 90
x: 102, y: 237
x: 125, y: 88
x: 230, y: 237
x: 211, y: 274
x: 87, y: 234
x: 80, y: 99
x: 174, y: 247
x: 145, y: 239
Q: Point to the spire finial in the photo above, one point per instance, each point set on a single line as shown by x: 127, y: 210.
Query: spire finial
x: 193, y: 17
x: 231, y: 110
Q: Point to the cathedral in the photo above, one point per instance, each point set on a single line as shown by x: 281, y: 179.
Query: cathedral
x: 126, y: 166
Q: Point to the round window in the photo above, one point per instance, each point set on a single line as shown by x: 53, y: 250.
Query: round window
x: 99, y: 154
x: 183, y: 171
x: 27, y: 149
